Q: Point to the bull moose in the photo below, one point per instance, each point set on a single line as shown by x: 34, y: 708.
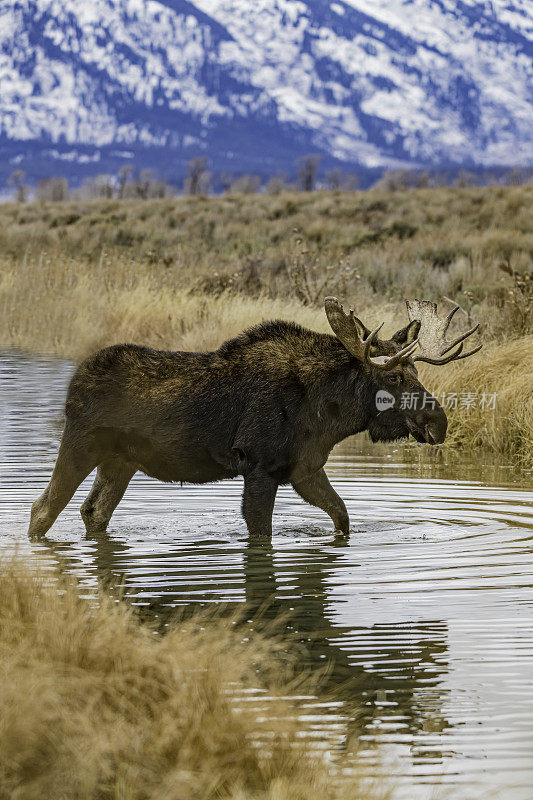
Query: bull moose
x: 269, y: 405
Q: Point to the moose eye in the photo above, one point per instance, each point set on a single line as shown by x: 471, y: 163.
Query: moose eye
x: 394, y: 379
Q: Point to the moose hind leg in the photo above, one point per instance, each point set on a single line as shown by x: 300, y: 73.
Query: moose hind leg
x: 111, y: 481
x: 318, y: 491
x: 74, y: 463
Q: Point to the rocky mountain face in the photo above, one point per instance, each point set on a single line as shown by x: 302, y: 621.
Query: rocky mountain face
x: 88, y: 84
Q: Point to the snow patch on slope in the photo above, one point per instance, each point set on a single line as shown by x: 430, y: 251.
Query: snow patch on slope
x: 373, y: 81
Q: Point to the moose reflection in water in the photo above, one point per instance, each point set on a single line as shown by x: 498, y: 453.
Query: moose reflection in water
x: 412, y: 654
x: 268, y: 405
x: 394, y: 670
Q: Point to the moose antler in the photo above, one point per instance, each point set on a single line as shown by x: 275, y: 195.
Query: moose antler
x: 350, y: 330
x: 432, y: 336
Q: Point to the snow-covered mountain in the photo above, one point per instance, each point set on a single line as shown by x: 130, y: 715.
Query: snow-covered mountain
x: 254, y: 83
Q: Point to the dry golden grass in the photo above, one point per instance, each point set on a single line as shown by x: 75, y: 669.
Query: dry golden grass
x: 68, y: 309
x: 94, y: 704
x: 507, y: 371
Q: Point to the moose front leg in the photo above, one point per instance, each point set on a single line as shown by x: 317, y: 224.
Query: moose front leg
x: 258, y: 503
x: 318, y: 491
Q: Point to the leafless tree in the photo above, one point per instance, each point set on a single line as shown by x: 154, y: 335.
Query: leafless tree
x: 307, y: 167
x: 16, y: 179
x: 337, y: 179
x: 394, y: 180
x: 465, y: 179
x: 123, y: 177
x: 422, y: 180
x: 517, y: 176
x: 198, y: 179
x: 143, y: 183
x: 226, y: 179
x: 100, y: 186
x: 350, y: 182
x: 334, y: 179
x: 159, y: 189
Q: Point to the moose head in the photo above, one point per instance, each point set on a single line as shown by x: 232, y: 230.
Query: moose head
x: 402, y: 404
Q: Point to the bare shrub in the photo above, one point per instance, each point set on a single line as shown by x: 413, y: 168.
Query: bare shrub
x: 520, y: 298
x: 246, y: 281
x: 52, y: 189
x: 246, y: 184
x: 276, y: 185
x: 310, y: 282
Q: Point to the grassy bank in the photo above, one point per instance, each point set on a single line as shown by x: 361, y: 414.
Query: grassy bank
x: 188, y: 273
x: 94, y: 704
x: 500, y: 384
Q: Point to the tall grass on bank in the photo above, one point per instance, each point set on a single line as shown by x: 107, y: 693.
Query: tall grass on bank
x: 506, y: 371
x: 94, y: 704
x: 69, y: 309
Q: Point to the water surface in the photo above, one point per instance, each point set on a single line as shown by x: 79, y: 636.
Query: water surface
x: 424, y: 616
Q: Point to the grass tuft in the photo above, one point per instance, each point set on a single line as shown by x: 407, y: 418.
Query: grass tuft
x: 94, y: 704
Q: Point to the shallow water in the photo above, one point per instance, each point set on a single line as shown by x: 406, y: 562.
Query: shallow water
x: 424, y: 616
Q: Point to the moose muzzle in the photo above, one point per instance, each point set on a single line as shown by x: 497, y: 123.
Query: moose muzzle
x: 429, y: 426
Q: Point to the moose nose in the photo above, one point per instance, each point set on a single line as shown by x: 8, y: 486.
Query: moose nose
x: 435, y: 427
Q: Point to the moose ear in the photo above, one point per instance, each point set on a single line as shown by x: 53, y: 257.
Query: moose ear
x: 408, y: 334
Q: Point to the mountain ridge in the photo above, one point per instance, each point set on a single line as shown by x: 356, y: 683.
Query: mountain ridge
x: 378, y: 84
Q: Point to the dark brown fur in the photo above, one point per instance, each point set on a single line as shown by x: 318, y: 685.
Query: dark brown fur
x: 269, y: 405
